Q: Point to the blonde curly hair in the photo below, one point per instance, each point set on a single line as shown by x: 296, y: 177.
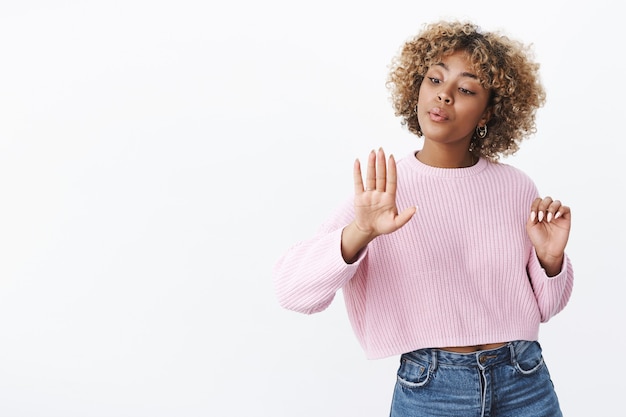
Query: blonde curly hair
x: 503, y: 66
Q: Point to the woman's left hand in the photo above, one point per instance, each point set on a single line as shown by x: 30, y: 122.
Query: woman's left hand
x: 548, y: 227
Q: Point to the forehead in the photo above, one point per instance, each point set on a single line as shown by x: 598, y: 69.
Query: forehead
x: 459, y: 61
x: 458, y: 58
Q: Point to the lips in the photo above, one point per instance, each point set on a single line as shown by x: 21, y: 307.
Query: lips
x: 437, y: 114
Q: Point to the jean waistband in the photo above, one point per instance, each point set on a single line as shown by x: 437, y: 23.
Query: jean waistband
x: 481, y: 358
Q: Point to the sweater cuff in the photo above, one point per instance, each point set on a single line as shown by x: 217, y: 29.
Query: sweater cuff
x: 536, y: 270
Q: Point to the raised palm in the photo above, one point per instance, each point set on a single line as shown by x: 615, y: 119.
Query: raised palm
x: 375, y: 208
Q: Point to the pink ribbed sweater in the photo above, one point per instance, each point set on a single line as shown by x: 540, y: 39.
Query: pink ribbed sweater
x: 461, y: 272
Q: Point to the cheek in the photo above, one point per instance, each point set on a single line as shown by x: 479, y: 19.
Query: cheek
x: 472, y: 110
x: 424, y: 94
x: 423, y: 89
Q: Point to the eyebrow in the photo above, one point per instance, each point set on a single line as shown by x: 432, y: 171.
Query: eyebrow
x: 463, y: 74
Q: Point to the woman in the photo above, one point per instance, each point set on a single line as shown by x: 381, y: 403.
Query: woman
x: 449, y: 258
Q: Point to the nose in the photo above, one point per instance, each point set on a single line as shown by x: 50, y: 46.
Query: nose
x: 444, y: 97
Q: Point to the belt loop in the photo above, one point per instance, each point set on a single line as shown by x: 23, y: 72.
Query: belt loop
x: 512, y: 350
x: 434, y: 358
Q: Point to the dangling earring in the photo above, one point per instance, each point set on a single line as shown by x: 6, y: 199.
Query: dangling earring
x: 481, y: 131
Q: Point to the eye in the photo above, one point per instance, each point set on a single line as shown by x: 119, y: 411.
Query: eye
x: 434, y: 80
x: 466, y: 91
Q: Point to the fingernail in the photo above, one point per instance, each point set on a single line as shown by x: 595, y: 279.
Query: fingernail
x: 549, y: 217
x: 557, y: 215
x: 532, y: 216
x: 540, y: 216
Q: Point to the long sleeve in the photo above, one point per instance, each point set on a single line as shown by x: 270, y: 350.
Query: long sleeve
x: 552, y: 293
x: 309, y: 274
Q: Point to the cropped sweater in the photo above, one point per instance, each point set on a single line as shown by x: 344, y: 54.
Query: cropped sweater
x: 461, y: 272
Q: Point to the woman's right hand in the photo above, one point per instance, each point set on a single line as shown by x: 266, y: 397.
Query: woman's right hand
x: 375, y: 207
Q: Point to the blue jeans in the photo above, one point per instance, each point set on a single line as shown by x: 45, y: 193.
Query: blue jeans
x: 510, y: 381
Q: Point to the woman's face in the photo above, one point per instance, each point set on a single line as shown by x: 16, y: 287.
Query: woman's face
x: 452, y: 102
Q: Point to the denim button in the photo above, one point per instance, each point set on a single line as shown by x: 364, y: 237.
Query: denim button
x: 485, y: 358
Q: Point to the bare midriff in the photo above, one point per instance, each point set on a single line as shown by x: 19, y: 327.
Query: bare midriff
x: 476, y: 348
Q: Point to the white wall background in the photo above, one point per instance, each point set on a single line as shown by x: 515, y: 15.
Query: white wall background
x: 156, y: 157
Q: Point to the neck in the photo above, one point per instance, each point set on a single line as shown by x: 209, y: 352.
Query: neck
x: 446, y: 158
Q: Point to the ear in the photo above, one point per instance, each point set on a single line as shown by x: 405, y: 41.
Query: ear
x: 484, y: 119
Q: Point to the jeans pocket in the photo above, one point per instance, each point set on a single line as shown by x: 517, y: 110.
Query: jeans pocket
x: 530, y: 359
x: 413, y: 374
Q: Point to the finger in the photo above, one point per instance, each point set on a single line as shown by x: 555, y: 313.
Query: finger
x: 552, y: 210
x: 358, y: 178
x: 564, y: 212
x: 534, y: 208
x: 392, y: 176
x: 381, y: 170
x: 370, y: 179
x: 405, y: 216
x: 543, y: 208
